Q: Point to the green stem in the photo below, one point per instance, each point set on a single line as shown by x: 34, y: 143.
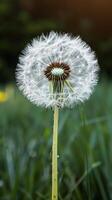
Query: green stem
x: 54, y: 156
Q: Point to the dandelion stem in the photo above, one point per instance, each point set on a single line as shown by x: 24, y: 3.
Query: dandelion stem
x: 54, y: 156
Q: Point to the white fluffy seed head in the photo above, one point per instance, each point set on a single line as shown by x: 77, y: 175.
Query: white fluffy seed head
x: 57, y: 48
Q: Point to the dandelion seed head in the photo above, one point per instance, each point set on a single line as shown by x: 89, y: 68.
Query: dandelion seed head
x: 57, y: 69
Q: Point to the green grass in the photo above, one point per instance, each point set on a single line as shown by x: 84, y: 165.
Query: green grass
x: 85, y: 149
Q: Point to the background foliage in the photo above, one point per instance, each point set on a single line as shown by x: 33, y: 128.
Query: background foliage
x: 85, y: 149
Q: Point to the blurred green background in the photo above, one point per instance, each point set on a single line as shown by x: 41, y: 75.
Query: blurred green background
x: 85, y: 132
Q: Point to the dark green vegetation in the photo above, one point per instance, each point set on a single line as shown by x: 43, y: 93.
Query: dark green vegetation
x: 85, y: 149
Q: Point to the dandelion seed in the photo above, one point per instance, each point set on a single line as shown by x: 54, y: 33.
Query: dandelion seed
x: 57, y: 71
x: 64, y: 62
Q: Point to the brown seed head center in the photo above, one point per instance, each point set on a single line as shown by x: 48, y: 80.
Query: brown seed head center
x: 61, y: 67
